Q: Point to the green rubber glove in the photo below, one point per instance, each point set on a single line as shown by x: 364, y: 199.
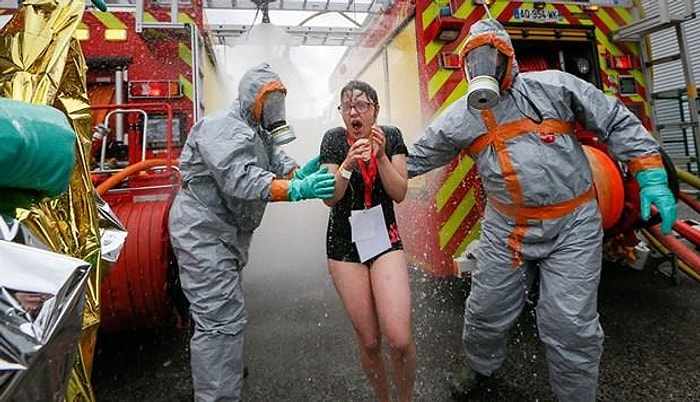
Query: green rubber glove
x: 653, y: 186
x: 319, y: 184
x: 100, y: 4
x: 37, y: 152
x: 311, y: 166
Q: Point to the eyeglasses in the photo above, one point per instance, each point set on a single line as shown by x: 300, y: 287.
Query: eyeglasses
x: 360, y: 106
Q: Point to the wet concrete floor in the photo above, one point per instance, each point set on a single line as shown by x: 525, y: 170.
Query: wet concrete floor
x: 300, y: 346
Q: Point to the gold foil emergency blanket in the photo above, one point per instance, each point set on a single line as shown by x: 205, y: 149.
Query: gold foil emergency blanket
x: 42, y: 63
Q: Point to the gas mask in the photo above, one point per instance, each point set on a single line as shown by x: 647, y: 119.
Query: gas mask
x: 485, y: 67
x: 273, y: 119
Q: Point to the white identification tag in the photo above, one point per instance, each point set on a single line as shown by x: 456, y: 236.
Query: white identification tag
x: 369, y: 232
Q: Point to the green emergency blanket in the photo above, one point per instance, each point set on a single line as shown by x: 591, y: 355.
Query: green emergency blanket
x: 37, y: 153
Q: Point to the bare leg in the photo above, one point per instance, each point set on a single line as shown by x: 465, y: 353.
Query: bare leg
x: 392, y: 295
x: 352, y: 281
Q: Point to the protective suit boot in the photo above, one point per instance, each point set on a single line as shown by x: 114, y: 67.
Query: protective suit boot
x: 466, y: 380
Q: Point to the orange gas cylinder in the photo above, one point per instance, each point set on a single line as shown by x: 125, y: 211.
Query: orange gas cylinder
x: 136, y: 292
x: 609, y: 187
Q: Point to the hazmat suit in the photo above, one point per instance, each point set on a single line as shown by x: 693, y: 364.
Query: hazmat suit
x: 541, y: 210
x: 231, y: 167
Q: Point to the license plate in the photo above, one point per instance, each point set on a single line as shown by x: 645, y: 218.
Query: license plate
x: 536, y: 15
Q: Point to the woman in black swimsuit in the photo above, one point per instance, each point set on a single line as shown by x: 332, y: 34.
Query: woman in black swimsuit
x: 370, y: 273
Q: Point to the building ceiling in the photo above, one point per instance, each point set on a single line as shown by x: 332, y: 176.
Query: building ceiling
x: 352, y: 14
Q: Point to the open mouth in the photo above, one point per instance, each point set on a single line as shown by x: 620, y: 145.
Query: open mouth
x: 356, y: 125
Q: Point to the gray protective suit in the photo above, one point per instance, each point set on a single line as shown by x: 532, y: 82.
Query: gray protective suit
x: 227, y: 166
x: 540, y: 213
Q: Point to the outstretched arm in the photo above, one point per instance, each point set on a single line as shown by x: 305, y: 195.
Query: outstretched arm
x: 435, y: 148
x: 319, y: 184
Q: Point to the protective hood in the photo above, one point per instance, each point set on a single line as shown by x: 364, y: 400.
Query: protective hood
x: 491, y: 32
x: 253, y: 87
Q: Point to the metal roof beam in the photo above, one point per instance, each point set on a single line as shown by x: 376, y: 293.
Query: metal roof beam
x: 362, y: 6
x: 231, y: 34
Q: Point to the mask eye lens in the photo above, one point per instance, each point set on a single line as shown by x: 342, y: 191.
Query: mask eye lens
x: 485, y: 60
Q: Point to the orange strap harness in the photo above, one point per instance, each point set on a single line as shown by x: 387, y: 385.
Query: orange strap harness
x: 496, y: 137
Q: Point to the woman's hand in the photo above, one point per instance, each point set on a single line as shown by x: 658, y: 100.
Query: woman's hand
x: 359, y: 150
x: 379, y: 141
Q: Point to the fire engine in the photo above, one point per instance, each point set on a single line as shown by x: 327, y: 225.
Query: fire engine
x: 410, y: 54
x: 151, y: 75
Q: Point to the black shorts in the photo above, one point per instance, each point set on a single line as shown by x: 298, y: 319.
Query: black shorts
x: 346, y: 251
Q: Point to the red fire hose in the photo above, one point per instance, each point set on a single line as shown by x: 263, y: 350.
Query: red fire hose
x: 128, y: 171
x: 137, y: 291
x: 689, y: 261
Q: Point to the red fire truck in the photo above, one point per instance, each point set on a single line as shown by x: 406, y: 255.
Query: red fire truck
x: 410, y: 54
x: 151, y: 75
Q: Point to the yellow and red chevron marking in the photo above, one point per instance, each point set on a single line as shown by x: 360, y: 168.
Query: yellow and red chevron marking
x: 184, y: 51
x: 384, y: 24
x: 125, y: 21
x: 458, y: 204
x: 457, y: 200
x: 113, y: 28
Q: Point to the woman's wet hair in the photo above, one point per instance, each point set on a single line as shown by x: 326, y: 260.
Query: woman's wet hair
x: 361, y: 86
